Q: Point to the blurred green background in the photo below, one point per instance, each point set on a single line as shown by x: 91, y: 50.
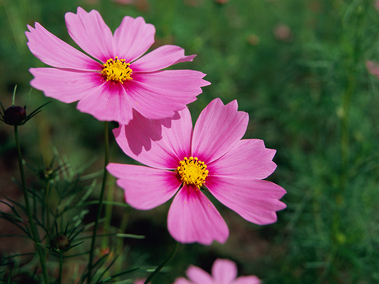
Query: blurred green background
x: 298, y: 68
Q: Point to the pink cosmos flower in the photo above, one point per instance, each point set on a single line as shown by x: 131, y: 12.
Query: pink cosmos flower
x: 114, y: 78
x: 188, y: 163
x: 224, y: 271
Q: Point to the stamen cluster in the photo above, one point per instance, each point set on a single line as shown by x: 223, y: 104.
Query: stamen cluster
x: 117, y: 70
x: 192, y: 171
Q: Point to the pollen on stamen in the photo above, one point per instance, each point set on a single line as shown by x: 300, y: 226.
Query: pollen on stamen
x: 116, y: 70
x: 192, y: 171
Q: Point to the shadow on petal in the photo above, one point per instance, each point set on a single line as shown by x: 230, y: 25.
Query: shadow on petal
x: 141, y: 131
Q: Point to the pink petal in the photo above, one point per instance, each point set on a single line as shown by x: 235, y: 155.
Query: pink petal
x: 133, y: 38
x: 161, y: 58
x: 90, y: 32
x: 182, y: 280
x: 224, y: 271
x: 145, y: 188
x: 132, y: 140
x: 184, y: 81
x: 255, y: 200
x: 247, y: 280
x: 109, y: 102
x: 151, y: 104
x: 372, y: 67
x: 161, y: 93
x: 198, y: 275
x: 162, y: 144
x: 64, y: 85
x: 55, y: 52
x: 193, y: 218
x: 218, y: 128
x: 249, y: 158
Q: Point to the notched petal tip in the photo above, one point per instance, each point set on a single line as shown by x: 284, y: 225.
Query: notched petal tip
x: 91, y: 33
x: 218, y: 129
x: 133, y: 38
x: 31, y: 28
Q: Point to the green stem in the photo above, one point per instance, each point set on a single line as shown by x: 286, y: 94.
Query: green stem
x: 47, y: 194
x: 33, y: 227
x: 120, y: 241
x: 346, y: 101
x: 353, y: 59
x: 163, y: 263
x: 106, y: 160
x: 108, y: 213
x: 60, y: 267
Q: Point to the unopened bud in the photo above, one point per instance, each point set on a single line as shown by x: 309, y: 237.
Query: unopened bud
x: 14, y: 115
x: 61, y: 243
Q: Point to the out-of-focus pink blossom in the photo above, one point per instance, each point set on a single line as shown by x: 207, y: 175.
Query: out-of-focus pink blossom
x: 377, y: 5
x: 221, y: 1
x: 282, y: 32
x: 224, y: 271
x: 372, y: 68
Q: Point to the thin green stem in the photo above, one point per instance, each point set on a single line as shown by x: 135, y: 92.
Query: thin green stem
x: 120, y: 241
x: 108, y: 213
x: 47, y: 195
x: 106, y: 160
x: 60, y: 267
x: 352, y: 61
x: 172, y: 254
x: 33, y: 227
x: 346, y: 101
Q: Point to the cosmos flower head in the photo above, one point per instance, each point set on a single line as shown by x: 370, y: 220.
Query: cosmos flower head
x: 188, y: 163
x: 114, y: 77
x: 224, y: 271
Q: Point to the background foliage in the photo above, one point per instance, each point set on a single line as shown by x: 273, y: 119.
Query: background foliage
x: 297, y: 67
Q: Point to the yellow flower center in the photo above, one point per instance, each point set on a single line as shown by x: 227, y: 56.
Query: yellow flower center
x: 117, y: 70
x: 192, y: 171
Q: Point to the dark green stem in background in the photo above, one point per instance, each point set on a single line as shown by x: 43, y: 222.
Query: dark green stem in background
x: 106, y: 160
x: 33, y: 227
x: 354, y: 57
x: 108, y: 213
x: 47, y: 195
x: 346, y: 101
x: 60, y: 267
x: 163, y: 263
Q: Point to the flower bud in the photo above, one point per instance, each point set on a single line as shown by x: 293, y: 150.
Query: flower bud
x: 60, y: 243
x: 14, y: 115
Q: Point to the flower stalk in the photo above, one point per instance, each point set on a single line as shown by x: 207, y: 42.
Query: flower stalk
x: 47, y: 201
x: 60, y: 267
x: 33, y: 227
x: 105, y: 175
x: 159, y: 268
